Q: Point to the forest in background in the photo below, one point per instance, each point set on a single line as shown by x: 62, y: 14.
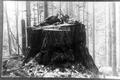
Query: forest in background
x: 100, y: 19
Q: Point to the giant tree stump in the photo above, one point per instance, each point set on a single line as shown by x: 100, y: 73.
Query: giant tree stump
x: 60, y: 47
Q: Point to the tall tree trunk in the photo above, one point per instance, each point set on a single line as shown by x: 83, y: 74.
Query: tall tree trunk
x: 78, y: 12
x: 8, y: 30
x: 17, y: 27
x: 38, y: 12
x: 23, y: 37
x: 1, y: 27
x: 45, y: 9
x: 60, y: 8
x: 28, y: 16
x: 119, y: 39
x: 87, y: 35
x: 70, y: 9
x: 83, y: 10
x: 34, y: 12
x: 105, y: 37
x: 114, y: 38
x: 52, y: 7
x: 93, y: 32
x: 28, y: 13
x: 110, y: 39
x: 66, y: 7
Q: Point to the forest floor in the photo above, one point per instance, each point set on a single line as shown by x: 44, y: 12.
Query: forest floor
x: 11, y: 67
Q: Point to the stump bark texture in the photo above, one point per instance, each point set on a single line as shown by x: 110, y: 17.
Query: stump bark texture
x: 60, y: 47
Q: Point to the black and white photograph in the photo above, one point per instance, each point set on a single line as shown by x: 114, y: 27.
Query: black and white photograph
x: 61, y: 39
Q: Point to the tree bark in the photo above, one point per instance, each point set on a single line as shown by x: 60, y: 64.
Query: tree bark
x: 28, y: 13
x: 70, y: 9
x: 93, y: 32
x: 1, y: 29
x: 79, y: 17
x: 87, y: 31
x: 23, y: 38
x: 17, y: 33
x: 69, y: 46
x: 28, y: 16
x: 114, y: 38
x: 84, y: 4
x: 38, y: 12
x: 45, y: 9
x: 66, y: 7
x: 8, y: 30
x: 105, y: 37
x: 110, y: 39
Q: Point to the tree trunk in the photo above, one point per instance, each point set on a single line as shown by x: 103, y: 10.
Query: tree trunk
x: 52, y: 10
x: 17, y: 27
x: 84, y: 4
x: 70, y: 9
x: 28, y: 13
x: 105, y: 38
x: 110, y: 39
x: 38, y: 12
x: 78, y: 15
x: 114, y: 38
x: 93, y: 32
x: 87, y: 31
x: 8, y: 30
x: 23, y: 38
x: 28, y: 16
x: 1, y: 27
x: 45, y: 9
x: 66, y: 7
